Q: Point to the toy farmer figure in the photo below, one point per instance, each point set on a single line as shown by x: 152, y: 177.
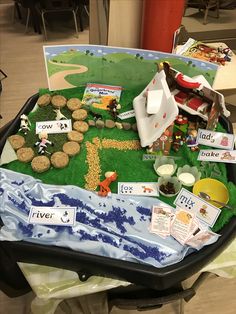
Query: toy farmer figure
x: 43, y: 142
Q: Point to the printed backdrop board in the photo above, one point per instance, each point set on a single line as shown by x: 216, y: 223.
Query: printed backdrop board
x: 69, y: 66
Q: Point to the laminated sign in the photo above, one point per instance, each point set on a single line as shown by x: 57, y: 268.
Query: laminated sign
x: 62, y: 126
x: 215, y: 139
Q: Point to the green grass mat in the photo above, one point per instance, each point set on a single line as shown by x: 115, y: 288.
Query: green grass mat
x: 128, y: 164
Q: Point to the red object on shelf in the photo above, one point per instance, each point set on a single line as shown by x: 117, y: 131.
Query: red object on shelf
x: 161, y: 18
x: 181, y: 97
x: 195, y: 103
x: 180, y: 119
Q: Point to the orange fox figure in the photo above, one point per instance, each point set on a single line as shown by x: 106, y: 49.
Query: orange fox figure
x: 104, y: 185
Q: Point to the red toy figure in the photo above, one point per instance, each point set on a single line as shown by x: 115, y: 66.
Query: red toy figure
x: 104, y: 185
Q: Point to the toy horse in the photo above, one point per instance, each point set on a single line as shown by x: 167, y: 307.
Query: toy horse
x: 104, y: 185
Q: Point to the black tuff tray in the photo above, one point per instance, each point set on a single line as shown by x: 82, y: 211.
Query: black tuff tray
x: 87, y: 265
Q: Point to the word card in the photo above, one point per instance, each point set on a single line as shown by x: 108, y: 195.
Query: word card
x: 161, y: 220
x: 217, y: 155
x: 126, y: 115
x: 202, y: 237
x: 138, y: 188
x: 60, y: 216
x: 62, y: 126
x: 181, y: 225
x: 215, y: 139
x: 203, y: 210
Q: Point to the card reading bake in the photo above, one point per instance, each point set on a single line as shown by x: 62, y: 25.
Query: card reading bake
x: 62, y: 126
x: 217, y: 155
x: 203, y: 210
x: 215, y: 139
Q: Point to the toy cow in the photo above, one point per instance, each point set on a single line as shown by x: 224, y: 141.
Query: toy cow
x: 24, y: 124
x: 59, y: 115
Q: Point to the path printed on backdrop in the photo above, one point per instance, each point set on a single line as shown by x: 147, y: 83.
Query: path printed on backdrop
x: 57, y: 80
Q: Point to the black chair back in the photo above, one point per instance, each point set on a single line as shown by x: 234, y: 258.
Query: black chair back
x: 56, y: 4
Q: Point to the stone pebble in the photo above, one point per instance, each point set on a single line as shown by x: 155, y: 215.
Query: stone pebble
x: 100, y: 124
x: 134, y: 127
x: 91, y: 123
x: 126, y: 126
x: 110, y: 124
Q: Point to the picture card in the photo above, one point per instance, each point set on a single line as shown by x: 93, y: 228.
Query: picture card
x: 60, y: 216
x: 161, y: 220
x: 181, y: 225
x: 62, y: 126
x: 217, y: 155
x: 202, y: 238
x: 138, y: 188
x: 203, y: 210
x: 194, y: 227
x: 99, y: 95
x: 215, y: 139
